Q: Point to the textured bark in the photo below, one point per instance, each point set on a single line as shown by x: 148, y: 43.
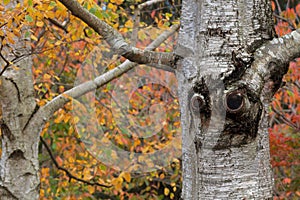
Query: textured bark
x: 225, y: 151
x: 19, y: 167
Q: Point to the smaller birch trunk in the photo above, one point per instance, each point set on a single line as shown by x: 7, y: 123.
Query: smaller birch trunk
x: 19, y: 165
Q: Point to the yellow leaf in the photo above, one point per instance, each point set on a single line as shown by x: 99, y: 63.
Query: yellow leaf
x: 91, y: 189
x: 129, y: 24
x: 5, y: 2
x: 174, y: 189
x: 33, y: 38
x: 126, y: 176
x: 166, y: 191
x: 75, y: 119
x: 172, y: 195
x: 16, y: 32
x: 39, y: 24
x: 119, y: 2
x: 10, y: 37
x: 47, y: 77
x: 117, y: 182
x: 58, y: 43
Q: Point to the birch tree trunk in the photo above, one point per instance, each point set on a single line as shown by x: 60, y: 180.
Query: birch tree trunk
x: 19, y: 167
x: 224, y: 99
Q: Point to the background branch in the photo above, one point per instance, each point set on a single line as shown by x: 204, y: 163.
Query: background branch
x: 47, y: 111
x: 69, y: 174
x: 115, y: 39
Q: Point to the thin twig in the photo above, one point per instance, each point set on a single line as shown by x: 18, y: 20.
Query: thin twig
x: 278, y: 6
x: 287, y: 121
x: 71, y: 176
x: 292, y: 26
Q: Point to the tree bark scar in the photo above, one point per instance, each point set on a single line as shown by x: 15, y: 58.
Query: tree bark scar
x: 217, y: 32
x: 241, y: 126
x: 277, y: 74
x: 198, y: 145
x: 6, y: 131
x: 240, y: 67
x: 204, y: 112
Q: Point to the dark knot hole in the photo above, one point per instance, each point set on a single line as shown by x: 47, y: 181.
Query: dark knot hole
x: 234, y: 101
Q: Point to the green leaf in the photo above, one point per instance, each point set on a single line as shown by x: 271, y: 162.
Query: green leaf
x: 52, y: 4
x: 30, y: 3
x: 5, y: 2
x: 28, y: 18
x: 93, y: 10
x: 105, y: 15
x: 27, y: 34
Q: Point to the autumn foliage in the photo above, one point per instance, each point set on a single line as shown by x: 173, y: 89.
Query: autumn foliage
x: 66, y: 52
x: 285, y: 115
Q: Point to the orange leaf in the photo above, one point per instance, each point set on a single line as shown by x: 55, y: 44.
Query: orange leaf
x: 273, y: 5
x: 127, y: 176
x: 286, y: 181
x: 59, y: 161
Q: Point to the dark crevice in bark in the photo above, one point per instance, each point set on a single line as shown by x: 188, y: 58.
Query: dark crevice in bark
x: 17, y: 88
x: 277, y: 72
x: 241, y: 64
x: 31, y: 116
x: 6, y: 131
x: 17, y: 155
x: 6, y: 194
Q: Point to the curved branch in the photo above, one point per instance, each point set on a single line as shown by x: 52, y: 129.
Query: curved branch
x: 68, y: 173
x: 271, y: 62
x: 115, y: 39
x: 45, y: 112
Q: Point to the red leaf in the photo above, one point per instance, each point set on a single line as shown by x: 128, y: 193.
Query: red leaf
x: 153, y: 14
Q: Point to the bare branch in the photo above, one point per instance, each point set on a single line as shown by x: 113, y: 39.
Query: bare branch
x: 60, y: 25
x: 285, y: 119
x: 68, y: 173
x: 115, y: 39
x: 136, y: 19
x: 149, y: 3
x: 45, y: 112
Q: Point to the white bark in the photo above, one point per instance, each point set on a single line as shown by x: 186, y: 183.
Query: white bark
x: 225, y: 155
x: 19, y: 167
